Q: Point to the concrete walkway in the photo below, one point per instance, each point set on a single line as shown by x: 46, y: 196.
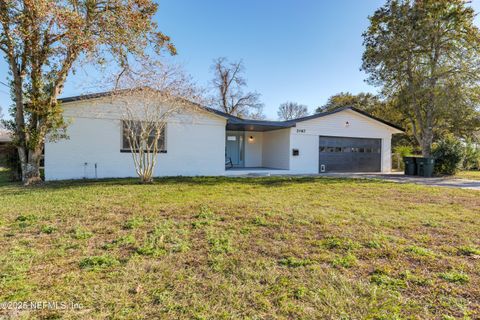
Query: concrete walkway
x: 401, y: 178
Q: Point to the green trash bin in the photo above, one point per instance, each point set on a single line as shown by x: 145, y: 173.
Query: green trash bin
x: 425, y: 167
x: 410, y: 166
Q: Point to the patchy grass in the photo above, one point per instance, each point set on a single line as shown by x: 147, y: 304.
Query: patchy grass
x: 471, y: 175
x: 419, y: 251
x: 98, y: 262
x: 293, y: 262
x: 455, y: 277
x: 469, y: 251
x: 260, y: 248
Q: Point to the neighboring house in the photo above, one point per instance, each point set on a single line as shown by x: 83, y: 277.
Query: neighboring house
x: 207, y: 142
x: 5, y: 144
x: 5, y: 137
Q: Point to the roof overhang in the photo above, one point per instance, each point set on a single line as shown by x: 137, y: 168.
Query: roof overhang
x: 257, y: 126
x: 396, y: 128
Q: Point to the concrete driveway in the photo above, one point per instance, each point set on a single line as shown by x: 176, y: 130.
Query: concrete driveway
x: 401, y: 178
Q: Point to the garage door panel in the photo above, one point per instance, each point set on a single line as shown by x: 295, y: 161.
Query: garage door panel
x: 349, y: 154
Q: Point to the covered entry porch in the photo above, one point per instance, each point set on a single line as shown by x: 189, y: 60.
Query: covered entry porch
x: 257, y: 147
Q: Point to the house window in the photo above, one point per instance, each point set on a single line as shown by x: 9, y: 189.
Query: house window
x: 136, y: 126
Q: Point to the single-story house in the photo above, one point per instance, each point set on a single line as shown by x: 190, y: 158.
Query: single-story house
x: 5, y: 139
x: 5, y: 136
x: 7, y: 150
x: 207, y: 142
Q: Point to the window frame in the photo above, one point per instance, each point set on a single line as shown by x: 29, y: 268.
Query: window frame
x: 129, y: 150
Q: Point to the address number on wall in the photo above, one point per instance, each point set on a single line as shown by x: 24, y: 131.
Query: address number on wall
x: 301, y: 130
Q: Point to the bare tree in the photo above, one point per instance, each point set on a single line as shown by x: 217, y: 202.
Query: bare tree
x: 292, y: 110
x: 229, y: 97
x: 43, y: 42
x: 150, y: 98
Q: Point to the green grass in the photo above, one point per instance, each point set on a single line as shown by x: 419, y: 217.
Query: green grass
x: 455, y: 277
x: 471, y: 175
x: 246, y: 248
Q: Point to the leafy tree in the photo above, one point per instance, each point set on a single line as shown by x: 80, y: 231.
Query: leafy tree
x: 229, y: 96
x: 42, y: 40
x: 370, y: 103
x: 365, y: 101
x: 292, y: 110
x: 425, y: 55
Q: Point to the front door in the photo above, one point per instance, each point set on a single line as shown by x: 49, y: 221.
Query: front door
x: 234, y: 148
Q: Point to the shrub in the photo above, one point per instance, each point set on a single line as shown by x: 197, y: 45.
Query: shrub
x: 448, y: 154
x: 472, y: 157
x: 402, y: 151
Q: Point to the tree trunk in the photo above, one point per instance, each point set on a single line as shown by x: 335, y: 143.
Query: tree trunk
x: 31, y: 168
x: 426, y: 142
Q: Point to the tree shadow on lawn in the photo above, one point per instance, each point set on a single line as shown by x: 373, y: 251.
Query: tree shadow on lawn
x: 17, y: 188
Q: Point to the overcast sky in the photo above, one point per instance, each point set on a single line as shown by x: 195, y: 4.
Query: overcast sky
x: 293, y: 50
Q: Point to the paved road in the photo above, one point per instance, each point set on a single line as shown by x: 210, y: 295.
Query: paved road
x: 401, y: 178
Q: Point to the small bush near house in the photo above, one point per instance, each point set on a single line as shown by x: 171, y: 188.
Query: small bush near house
x: 448, y: 154
x: 399, y: 152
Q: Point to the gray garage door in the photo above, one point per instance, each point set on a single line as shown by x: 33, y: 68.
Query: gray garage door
x: 344, y: 154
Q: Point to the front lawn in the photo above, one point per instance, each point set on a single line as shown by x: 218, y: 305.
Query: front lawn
x: 260, y: 248
x: 472, y: 175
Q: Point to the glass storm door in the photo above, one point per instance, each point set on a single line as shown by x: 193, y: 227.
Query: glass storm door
x: 234, y: 148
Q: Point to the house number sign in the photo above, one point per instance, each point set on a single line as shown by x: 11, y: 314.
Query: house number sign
x: 301, y: 130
